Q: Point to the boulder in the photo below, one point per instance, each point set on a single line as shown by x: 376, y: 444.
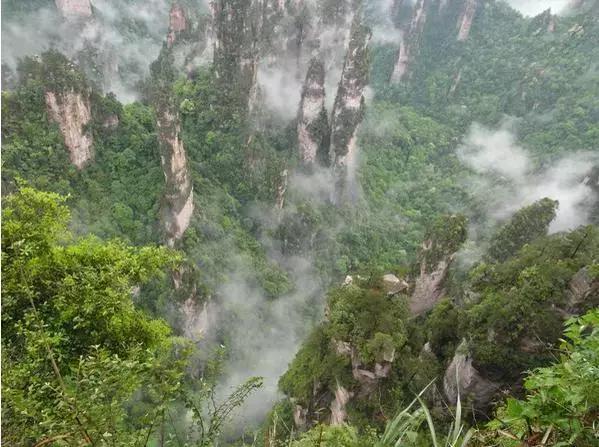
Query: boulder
x: 463, y: 380
x: 393, y: 285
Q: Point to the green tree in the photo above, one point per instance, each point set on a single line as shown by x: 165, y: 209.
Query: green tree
x: 526, y: 225
x: 75, y: 348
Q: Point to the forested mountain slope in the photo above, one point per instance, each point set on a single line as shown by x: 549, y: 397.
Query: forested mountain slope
x: 358, y: 201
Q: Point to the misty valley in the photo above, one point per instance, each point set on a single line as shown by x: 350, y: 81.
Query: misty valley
x: 298, y: 223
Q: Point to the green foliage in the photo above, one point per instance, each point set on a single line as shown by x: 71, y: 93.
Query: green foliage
x: 368, y: 319
x: 562, y: 400
x: 515, y: 319
x: 526, y: 225
x: 75, y: 349
x: 316, y: 360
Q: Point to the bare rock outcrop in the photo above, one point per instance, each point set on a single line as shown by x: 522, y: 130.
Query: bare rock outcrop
x: 196, y: 319
x: 429, y: 286
x: 393, y: 285
x: 238, y: 27
x: 348, y: 111
x: 443, y: 241
x: 466, y: 19
x: 300, y: 417
x: 338, y: 412
x: 583, y: 289
x: 312, y: 122
x: 178, y: 199
x: 74, y: 9
x: 410, y: 38
x: 177, y: 23
x: 281, y: 189
x: 461, y: 378
x: 72, y: 112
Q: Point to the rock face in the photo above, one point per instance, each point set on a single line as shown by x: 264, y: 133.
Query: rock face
x: 282, y: 189
x: 429, y: 287
x: 393, y: 285
x: 196, y: 322
x: 583, y: 289
x: 72, y: 112
x: 338, y: 413
x: 312, y: 122
x: 178, y: 199
x: 237, y: 29
x: 410, y: 37
x: 348, y: 112
x: 74, y: 8
x: 463, y: 379
x: 443, y: 240
x: 466, y: 19
x: 177, y: 23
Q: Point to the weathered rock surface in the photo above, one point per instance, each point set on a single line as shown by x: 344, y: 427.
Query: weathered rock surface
x: 312, y: 118
x: 178, y: 199
x: 461, y: 378
x: 338, y: 412
x: 300, y: 417
x: 72, y: 112
x: 393, y: 285
x: 348, y: 111
x: 466, y: 19
x: 429, y: 286
x: 410, y: 38
x: 583, y: 289
x: 196, y: 319
x: 177, y: 23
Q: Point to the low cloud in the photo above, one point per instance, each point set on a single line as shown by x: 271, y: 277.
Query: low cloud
x: 535, y: 7
x: 507, y: 177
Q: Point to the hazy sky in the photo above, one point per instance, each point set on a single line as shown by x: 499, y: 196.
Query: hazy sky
x: 534, y: 7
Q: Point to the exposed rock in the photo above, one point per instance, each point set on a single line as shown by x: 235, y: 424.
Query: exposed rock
x: 74, y: 8
x: 342, y: 347
x: 583, y: 289
x: 111, y: 121
x: 72, y: 112
x: 393, y: 285
x: 338, y: 413
x: 410, y: 37
x: 238, y: 29
x: 196, y: 322
x: 429, y: 287
x: 348, y: 280
x: 382, y: 370
x: 300, y: 417
x: 312, y: 118
x: 177, y: 23
x: 456, y: 82
x: 281, y: 190
x: 466, y: 19
x: 178, y: 200
x: 348, y: 111
x: 461, y: 378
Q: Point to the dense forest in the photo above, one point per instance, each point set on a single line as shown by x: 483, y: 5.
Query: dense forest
x: 335, y: 223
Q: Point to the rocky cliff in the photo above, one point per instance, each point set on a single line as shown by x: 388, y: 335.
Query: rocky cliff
x: 464, y: 381
x: 410, y: 39
x: 444, y: 239
x: 71, y: 110
x: 178, y: 204
x: 237, y: 30
x: 348, y: 111
x: 312, y: 121
x: 466, y: 19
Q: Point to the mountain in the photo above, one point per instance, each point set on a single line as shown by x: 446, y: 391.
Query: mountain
x: 362, y: 200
